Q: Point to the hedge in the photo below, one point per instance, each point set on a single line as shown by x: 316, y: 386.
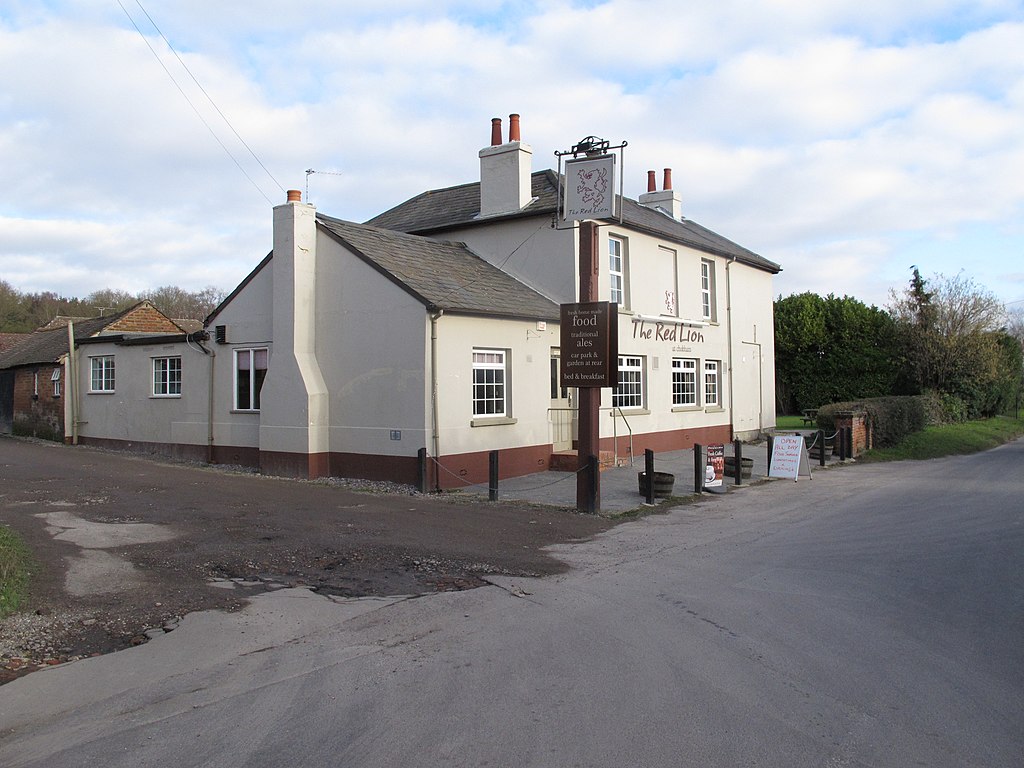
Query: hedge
x: 889, y: 419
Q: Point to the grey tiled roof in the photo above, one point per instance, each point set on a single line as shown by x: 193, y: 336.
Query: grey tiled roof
x: 443, y: 209
x: 9, y: 340
x: 442, y: 275
x: 46, y: 346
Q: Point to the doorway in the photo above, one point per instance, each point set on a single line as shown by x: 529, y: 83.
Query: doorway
x: 562, y: 415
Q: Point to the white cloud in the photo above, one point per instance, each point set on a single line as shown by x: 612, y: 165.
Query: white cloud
x: 831, y: 137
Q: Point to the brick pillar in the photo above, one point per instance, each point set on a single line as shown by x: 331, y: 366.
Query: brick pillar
x: 857, y: 422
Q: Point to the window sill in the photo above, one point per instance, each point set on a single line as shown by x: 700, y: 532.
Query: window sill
x: 101, y: 392
x: 493, y: 422
x: 685, y: 408
x: 165, y: 397
x: 630, y: 411
x: 714, y: 409
x: 250, y: 410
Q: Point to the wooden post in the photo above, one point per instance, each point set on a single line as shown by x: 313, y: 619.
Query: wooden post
x: 588, y: 484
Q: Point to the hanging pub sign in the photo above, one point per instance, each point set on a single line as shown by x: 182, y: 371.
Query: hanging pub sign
x: 589, y: 188
x: 589, y: 341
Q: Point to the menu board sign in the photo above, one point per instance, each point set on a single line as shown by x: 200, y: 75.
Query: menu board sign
x: 589, y: 339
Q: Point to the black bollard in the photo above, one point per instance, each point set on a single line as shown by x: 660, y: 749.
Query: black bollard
x: 737, y: 453
x: 492, y: 486
x: 698, y: 468
x: 821, y: 447
x: 421, y: 458
x: 649, y: 472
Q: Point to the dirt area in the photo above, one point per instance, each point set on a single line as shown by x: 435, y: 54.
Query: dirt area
x: 126, y: 546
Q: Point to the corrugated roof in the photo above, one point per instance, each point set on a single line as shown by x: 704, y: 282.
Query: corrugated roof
x: 443, y: 275
x: 443, y: 209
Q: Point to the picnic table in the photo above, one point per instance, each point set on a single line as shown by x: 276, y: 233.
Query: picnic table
x: 810, y: 416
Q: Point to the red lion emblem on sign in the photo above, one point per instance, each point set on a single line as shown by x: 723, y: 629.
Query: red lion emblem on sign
x: 593, y: 186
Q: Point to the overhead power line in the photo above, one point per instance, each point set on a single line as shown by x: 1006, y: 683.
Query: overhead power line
x: 208, y: 97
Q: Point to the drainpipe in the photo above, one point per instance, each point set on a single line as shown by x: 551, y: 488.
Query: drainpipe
x: 434, y: 419
x: 72, y: 383
x: 728, y: 341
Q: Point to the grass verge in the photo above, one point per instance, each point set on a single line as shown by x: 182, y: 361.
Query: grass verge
x: 951, y: 439
x: 15, y: 570
x: 791, y: 422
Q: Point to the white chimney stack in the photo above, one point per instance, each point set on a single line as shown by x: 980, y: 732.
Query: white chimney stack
x: 505, y: 171
x: 667, y: 201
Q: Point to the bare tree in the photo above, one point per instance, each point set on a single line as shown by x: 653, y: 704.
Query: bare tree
x: 950, y: 329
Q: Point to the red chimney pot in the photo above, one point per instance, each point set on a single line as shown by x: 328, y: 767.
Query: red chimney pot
x: 668, y: 179
x: 294, y: 196
x: 652, y: 184
x: 495, y: 131
x: 513, y: 127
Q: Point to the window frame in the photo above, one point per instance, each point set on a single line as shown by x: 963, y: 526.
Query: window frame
x: 633, y: 374
x: 708, y: 292
x: 712, y: 375
x: 617, y: 278
x: 254, y: 387
x: 166, y: 377
x: 479, y: 385
x: 680, y: 370
x: 55, y: 377
x: 107, y: 378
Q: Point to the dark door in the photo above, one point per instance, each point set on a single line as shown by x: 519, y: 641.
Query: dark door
x: 6, y: 401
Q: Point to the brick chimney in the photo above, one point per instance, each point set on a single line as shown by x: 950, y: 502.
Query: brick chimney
x: 505, y: 169
x: 667, y: 200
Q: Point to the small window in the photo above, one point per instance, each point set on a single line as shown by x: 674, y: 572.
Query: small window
x: 617, y: 271
x: 712, y: 383
x: 101, y: 377
x: 55, y: 378
x: 489, y: 383
x: 708, y: 304
x: 167, y: 376
x: 684, y: 381
x: 630, y: 390
x: 250, y: 373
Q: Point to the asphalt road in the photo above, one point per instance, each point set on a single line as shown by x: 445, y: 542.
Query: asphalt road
x: 872, y: 616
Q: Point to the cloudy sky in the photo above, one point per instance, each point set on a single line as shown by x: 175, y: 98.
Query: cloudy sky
x: 144, y: 145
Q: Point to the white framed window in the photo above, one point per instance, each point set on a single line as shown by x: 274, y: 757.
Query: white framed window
x: 250, y: 372
x: 707, y: 290
x: 35, y: 384
x: 55, y: 378
x: 629, y: 393
x: 490, y: 383
x: 712, y: 383
x: 167, y: 376
x: 617, y: 272
x: 684, y: 381
x: 101, y: 373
